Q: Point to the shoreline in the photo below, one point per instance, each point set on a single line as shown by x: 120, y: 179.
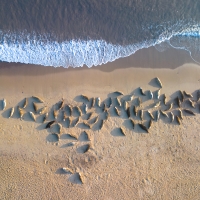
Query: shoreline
x: 139, y: 165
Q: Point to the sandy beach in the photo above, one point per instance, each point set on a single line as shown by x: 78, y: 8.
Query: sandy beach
x: 161, y: 164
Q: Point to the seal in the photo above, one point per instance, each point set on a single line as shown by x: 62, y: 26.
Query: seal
x: 95, y: 119
x: 189, y: 111
x: 75, y: 121
x: 128, y: 112
x: 59, y: 128
x: 172, y: 116
x: 178, y: 102
x: 141, y: 114
x: 118, y: 93
x: 92, y: 102
x: 181, y: 96
x: 38, y: 99
x: 139, y: 101
x: 157, y: 115
x: 118, y: 102
x: 35, y: 107
x: 106, y: 114
x: 81, y: 178
x: 11, y: 112
x: 103, y: 106
x: 122, y: 131
x: 133, y: 123
x: 87, y: 147
x: 134, y: 110
x: 164, y: 99
x: 116, y: 111
x: 180, y: 114
x: 67, y: 170
x: 178, y: 119
x: 164, y: 113
x: 150, y: 94
x: 198, y: 95
x: 109, y: 102
x: 158, y: 81
x: 141, y: 91
x: 32, y: 115
x: 61, y: 104
x: 43, y: 110
x: 89, y: 115
x: 85, y: 98
x: 69, y: 109
x: 4, y: 104
x: 125, y: 105
x: 78, y: 110
x: 98, y: 101
x: 150, y: 115
x: 85, y: 108
x: 191, y: 103
x: 55, y: 113
x: 49, y: 124
x: 45, y: 117
x: 157, y: 104
x: 86, y: 125
x: 169, y: 107
x: 21, y: 112
x: 188, y: 95
x: 72, y: 136
x: 25, y: 103
x: 150, y: 123
x: 101, y: 124
x: 143, y: 127
x: 157, y: 94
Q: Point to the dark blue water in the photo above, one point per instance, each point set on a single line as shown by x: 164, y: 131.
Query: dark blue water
x: 93, y: 32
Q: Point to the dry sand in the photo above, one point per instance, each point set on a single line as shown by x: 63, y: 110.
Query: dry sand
x: 164, y: 164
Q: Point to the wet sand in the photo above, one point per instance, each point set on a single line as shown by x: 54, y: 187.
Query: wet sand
x: 161, y: 164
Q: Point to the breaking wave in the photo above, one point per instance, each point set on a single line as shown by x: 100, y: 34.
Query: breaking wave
x: 76, y: 53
